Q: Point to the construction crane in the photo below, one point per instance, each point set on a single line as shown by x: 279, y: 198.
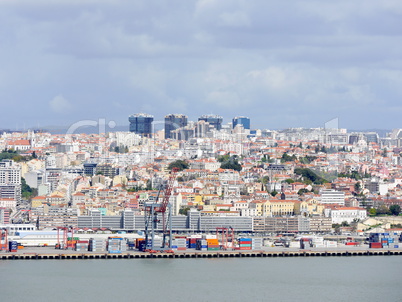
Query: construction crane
x: 153, y: 211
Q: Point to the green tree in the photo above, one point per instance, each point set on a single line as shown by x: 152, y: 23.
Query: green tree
x: 310, y: 175
x: 180, y: 164
x: 358, y: 187
x: 26, y: 191
x: 231, y: 163
x: 184, y: 211
x: 223, y: 158
x: 395, y: 209
x: 372, y: 212
x: 274, y: 193
x: 289, y: 181
x: 302, y: 191
x: 383, y: 210
x: 286, y: 157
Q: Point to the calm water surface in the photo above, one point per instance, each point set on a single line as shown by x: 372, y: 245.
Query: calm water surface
x: 245, y: 279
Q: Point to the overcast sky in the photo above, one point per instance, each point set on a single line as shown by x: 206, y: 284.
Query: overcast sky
x: 282, y: 63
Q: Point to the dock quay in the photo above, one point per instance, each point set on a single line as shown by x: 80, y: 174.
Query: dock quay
x: 218, y: 254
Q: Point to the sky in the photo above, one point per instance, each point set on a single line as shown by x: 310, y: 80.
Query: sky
x: 281, y: 63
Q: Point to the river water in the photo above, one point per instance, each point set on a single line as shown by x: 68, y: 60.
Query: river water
x: 373, y: 278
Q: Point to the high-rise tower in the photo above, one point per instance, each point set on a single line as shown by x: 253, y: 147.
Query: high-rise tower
x: 213, y: 120
x: 241, y: 120
x: 141, y: 123
x: 173, y: 122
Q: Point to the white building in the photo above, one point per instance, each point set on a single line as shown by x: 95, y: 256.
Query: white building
x: 10, y: 180
x: 332, y: 197
x: 347, y: 214
x: 8, y: 203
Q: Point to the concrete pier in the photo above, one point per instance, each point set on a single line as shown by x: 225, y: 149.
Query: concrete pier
x: 196, y: 254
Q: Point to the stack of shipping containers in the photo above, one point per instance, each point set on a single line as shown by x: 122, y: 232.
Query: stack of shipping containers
x: 114, y: 245
x: 12, y: 246
x: 212, y: 244
x: 202, y: 245
x: 245, y: 243
x: 384, y: 240
x: 192, y: 243
x: 256, y: 244
x: 157, y: 243
x: 179, y: 244
x: 97, y: 245
x: 81, y: 245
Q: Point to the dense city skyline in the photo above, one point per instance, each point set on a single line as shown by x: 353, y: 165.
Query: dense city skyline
x: 282, y: 65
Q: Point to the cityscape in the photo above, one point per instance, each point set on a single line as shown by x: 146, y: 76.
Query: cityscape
x: 200, y: 150
x: 255, y: 181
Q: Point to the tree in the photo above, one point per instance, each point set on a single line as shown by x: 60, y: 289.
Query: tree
x: 274, y: 193
x: 184, y: 211
x: 286, y: 157
x: 223, y: 158
x: 26, y: 191
x: 383, y: 210
x: 289, y: 181
x: 358, y: 187
x: 302, y: 191
x: 230, y: 163
x: 395, y: 209
x: 372, y: 212
x: 310, y: 175
x: 180, y: 164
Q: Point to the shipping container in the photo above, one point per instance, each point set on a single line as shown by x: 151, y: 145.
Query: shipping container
x: 375, y: 245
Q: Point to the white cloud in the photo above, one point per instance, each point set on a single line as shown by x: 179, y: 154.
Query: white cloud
x: 60, y: 105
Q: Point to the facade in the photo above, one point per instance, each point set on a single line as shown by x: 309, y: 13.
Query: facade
x: 320, y: 224
x: 348, y: 214
x: 241, y: 120
x: 173, y: 122
x: 4, y: 215
x: 90, y: 169
x: 332, y: 197
x: 213, y: 120
x: 10, y: 180
x: 141, y: 124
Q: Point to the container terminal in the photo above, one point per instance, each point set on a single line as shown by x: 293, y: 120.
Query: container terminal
x: 62, y: 244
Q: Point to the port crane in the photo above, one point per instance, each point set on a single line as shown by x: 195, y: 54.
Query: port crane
x: 160, y: 212
x: 3, y: 239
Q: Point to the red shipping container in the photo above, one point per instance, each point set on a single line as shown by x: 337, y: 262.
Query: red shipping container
x: 375, y: 245
x: 244, y: 248
x: 181, y: 248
